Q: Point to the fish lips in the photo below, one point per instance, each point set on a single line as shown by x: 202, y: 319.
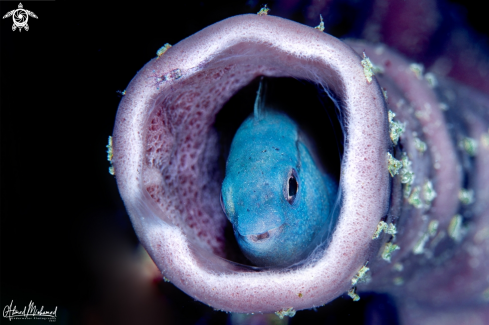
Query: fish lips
x: 266, y: 248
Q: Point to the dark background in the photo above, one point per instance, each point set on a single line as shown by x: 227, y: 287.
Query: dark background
x: 66, y: 239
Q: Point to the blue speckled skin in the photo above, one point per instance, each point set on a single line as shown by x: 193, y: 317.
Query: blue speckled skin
x: 266, y: 150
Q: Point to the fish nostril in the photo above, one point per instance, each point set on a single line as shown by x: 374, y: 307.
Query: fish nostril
x: 260, y: 237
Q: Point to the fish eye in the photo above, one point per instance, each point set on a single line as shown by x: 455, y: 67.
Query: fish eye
x: 292, y: 188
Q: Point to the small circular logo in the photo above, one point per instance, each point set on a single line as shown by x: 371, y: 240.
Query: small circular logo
x: 20, y: 17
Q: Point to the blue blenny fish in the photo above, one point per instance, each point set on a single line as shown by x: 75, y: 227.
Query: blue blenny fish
x: 274, y: 194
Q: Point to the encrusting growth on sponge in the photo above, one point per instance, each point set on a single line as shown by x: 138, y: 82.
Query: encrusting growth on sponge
x: 419, y: 246
x: 415, y: 198
x: 433, y: 227
x: 393, y: 165
x: 431, y: 79
x: 162, y: 50
x: 388, y: 250
x: 420, y: 145
x: 110, y: 155
x: 353, y: 295
x: 417, y: 69
x: 429, y: 193
x: 320, y: 27
x: 263, y: 11
x: 290, y: 312
x: 368, y: 68
x: 396, y: 129
x: 407, y: 175
x: 469, y: 145
x: 360, y: 276
x: 455, y: 230
x: 383, y: 226
x: 466, y: 196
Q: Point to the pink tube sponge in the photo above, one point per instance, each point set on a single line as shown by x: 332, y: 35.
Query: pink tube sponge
x: 165, y: 151
x: 163, y: 141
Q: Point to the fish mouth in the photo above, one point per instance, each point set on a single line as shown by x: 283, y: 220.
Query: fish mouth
x: 260, y: 237
x: 264, y: 237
